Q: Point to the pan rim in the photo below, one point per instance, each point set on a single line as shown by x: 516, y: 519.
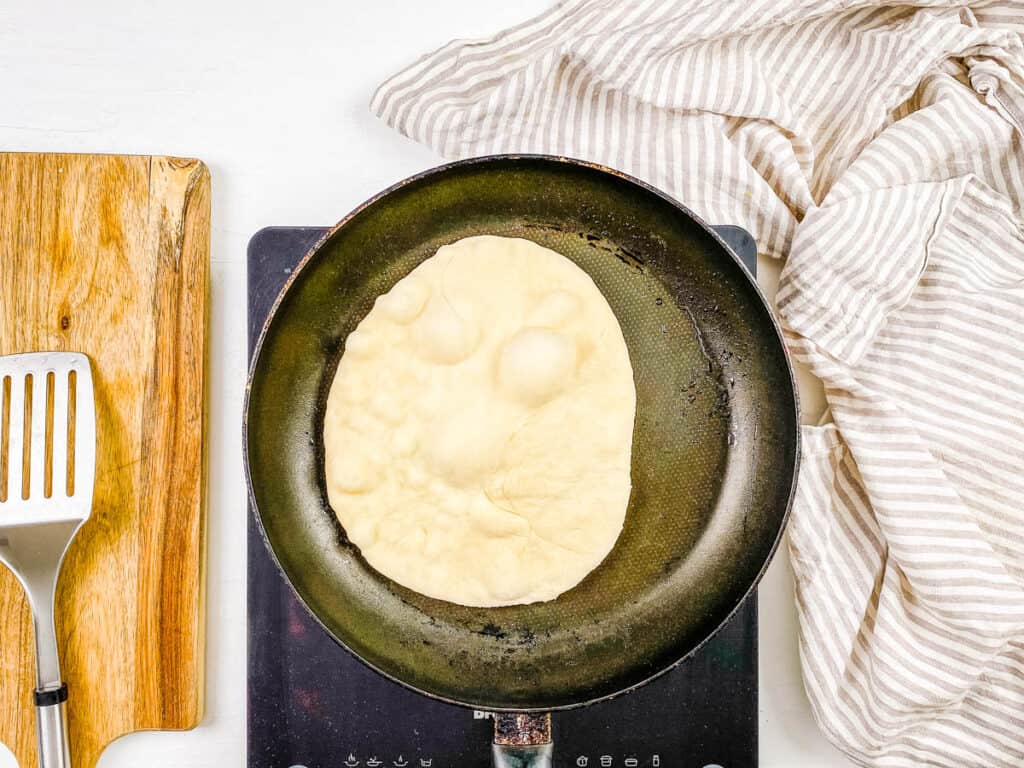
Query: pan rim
x: 564, y: 160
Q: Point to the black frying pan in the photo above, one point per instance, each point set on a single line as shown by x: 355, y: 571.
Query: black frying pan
x: 715, y: 443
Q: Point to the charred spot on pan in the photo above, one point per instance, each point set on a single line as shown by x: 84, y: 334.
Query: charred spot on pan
x: 721, y: 404
x: 493, y: 630
x: 632, y: 257
x: 543, y: 225
x: 458, y: 659
x: 526, y: 637
x: 692, y: 389
x: 626, y: 256
x: 332, y: 346
x: 670, y: 565
x: 629, y: 260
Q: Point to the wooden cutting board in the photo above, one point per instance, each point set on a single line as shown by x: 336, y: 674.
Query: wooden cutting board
x: 109, y: 255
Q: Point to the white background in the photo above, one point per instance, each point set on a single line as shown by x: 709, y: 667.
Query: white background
x: 273, y: 97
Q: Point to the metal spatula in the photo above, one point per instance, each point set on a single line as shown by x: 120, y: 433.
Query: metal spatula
x: 47, y: 468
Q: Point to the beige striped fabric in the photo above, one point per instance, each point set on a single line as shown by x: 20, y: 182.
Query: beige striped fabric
x: 879, y: 149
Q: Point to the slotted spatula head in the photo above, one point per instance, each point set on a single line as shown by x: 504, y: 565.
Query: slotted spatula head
x: 47, y: 438
x: 47, y: 468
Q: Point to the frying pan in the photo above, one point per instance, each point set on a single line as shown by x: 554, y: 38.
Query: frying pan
x: 715, y: 443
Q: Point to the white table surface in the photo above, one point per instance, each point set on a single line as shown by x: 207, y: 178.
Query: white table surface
x: 273, y: 97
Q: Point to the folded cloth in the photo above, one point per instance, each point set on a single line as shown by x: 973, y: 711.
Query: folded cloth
x: 879, y: 149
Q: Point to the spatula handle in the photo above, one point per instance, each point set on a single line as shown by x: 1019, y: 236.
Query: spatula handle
x: 52, y: 727
x: 538, y: 756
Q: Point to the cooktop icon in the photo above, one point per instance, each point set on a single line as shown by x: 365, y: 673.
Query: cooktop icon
x: 350, y: 761
x: 582, y: 761
x: 373, y: 762
x: 631, y: 762
x: 401, y: 762
x: 606, y: 761
x: 426, y: 763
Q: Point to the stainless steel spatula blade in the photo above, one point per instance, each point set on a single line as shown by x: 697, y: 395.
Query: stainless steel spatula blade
x: 47, y: 470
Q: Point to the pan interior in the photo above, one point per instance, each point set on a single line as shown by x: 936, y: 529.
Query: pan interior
x: 713, y: 454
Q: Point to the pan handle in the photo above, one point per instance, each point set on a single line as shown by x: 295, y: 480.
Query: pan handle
x: 522, y: 741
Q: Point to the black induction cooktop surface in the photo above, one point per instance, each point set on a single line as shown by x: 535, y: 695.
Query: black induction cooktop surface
x: 313, y: 705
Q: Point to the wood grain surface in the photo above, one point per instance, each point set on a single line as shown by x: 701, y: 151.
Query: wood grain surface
x: 109, y: 255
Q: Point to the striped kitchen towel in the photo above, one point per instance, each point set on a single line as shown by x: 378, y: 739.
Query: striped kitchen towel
x: 879, y: 149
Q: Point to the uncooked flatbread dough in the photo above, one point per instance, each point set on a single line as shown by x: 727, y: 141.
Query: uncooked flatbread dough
x: 479, y: 427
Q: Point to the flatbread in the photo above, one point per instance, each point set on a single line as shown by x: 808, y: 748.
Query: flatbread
x: 479, y: 427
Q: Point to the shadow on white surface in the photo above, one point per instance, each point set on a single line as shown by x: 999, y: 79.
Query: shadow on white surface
x: 788, y: 738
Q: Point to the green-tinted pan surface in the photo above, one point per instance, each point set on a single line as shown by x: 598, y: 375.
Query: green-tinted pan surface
x: 714, y: 452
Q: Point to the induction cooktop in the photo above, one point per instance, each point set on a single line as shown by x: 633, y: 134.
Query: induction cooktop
x: 313, y: 705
